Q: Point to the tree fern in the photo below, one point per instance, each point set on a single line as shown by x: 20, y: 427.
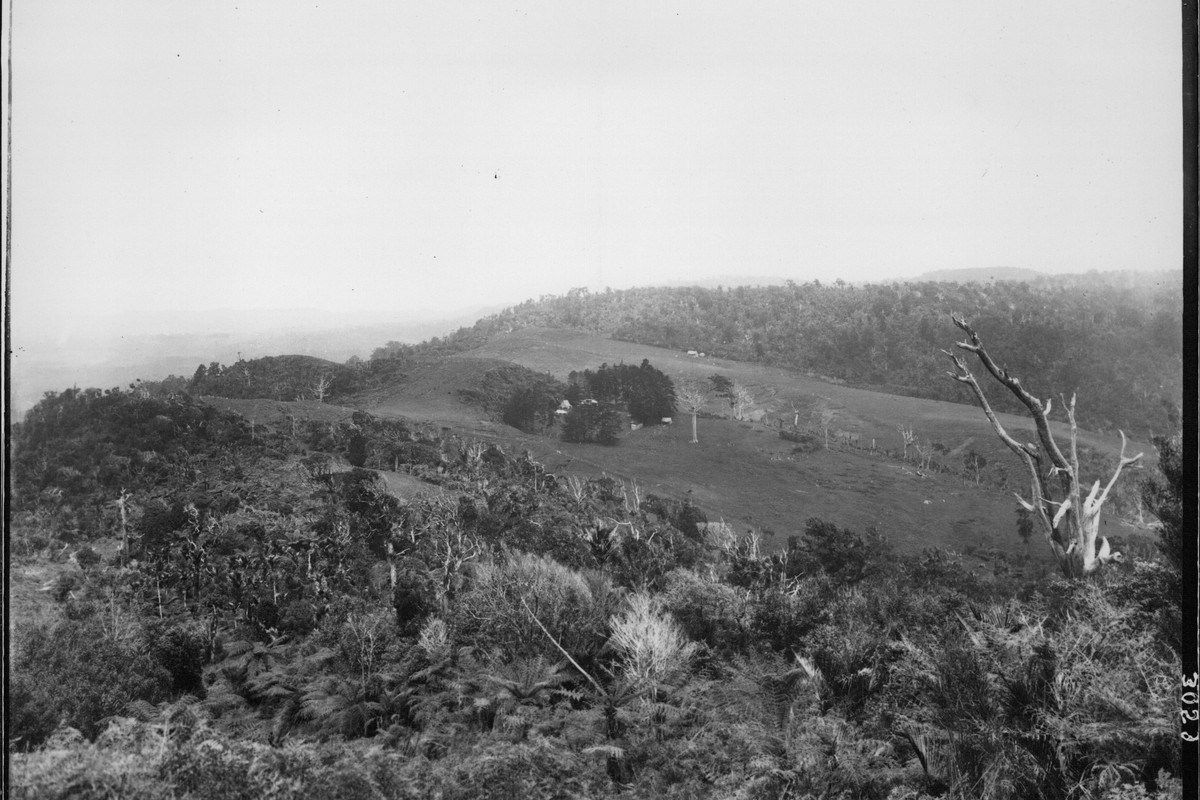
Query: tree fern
x: 1042, y: 706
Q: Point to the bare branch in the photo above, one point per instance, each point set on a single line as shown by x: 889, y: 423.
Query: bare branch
x: 964, y: 376
x: 1063, y: 509
x: 1072, y: 523
x: 1025, y: 504
x: 1036, y: 410
x: 1074, y: 433
x: 1124, y: 462
x: 1028, y: 453
x: 574, y: 663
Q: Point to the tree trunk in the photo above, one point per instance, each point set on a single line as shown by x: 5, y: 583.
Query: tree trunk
x: 124, y: 530
x: 1071, y: 523
x: 694, y: 439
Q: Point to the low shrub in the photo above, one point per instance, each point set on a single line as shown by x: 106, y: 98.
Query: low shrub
x: 498, y: 610
x: 182, y: 650
x: 76, y: 673
x: 653, y: 649
x: 708, y: 611
x: 805, y: 442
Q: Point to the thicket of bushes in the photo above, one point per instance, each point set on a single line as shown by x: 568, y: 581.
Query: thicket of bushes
x: 280, y: 629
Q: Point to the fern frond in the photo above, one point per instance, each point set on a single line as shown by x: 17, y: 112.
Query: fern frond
x: 606, y: 750
x: 237, y: 648
x: 141, y: 710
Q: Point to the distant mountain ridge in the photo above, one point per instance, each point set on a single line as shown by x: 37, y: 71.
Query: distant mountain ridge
x: 106, y: 351
x: 978, y: 274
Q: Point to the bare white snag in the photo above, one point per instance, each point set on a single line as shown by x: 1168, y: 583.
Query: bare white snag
x: 825, y: 417
x: 321, y: 388
x: 742, y: 400
x: 122, y: 503
x: 795, y: 414
x: 1072, y: 521
x: 693, y: 397
x: 924, y: 454
x: 908, y: 437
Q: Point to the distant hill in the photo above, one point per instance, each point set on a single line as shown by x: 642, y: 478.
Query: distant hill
x: 107, y: 351
x: 978, y: 275
x: 1115, y: 338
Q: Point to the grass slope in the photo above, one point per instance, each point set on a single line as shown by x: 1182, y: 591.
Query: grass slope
x: 429, y: 392
x: 743, y: 472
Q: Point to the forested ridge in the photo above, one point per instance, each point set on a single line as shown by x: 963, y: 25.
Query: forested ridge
x: 247, y: 610
x: 1116, y: 338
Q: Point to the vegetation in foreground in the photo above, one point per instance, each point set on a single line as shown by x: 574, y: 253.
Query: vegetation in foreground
x: 274, y: 623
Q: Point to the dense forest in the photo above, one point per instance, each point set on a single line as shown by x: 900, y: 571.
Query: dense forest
x: 1115, y: 338
x: 247, y: 610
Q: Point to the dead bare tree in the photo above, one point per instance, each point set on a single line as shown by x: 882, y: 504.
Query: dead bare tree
x: 909, y: 438
x: 924, y: 455
x: 286, y: 413
x: 122, y: 504
x: 741, y: 401
x: 974, y: 462
x: 795, y: 414
x: 693, y: 398
x: 1071, y: 522
x: 321, y: 388
x: 825, y: 418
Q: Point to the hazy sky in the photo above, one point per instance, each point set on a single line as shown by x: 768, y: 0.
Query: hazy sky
x: 412, y: 157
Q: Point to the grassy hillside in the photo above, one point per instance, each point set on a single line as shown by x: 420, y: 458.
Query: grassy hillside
x: 745, y: 473
x: 742, y: 471
x: 1114, y: 337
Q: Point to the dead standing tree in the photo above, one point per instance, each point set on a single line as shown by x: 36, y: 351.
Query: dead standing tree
x: 825, y: 418
x: 1071, y: 522
x: 321, y: 388
x: 795, y: 414
x: 742, y: 401
x: 693, y: 398
x: 908, y: 437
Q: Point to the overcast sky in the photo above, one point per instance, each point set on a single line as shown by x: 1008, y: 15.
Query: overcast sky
x: 415, y: 157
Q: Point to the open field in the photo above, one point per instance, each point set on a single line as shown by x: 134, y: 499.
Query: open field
x: 742, y: 471
x: 873, y: 414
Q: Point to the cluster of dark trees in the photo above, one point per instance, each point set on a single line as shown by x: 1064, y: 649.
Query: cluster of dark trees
x: 592, y: 422
x: 645, y: 391
x: 519, y: 396
x: 291, y: 378
x: 79, y: 448
x: 276, y: 378
x: 599, y: 399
